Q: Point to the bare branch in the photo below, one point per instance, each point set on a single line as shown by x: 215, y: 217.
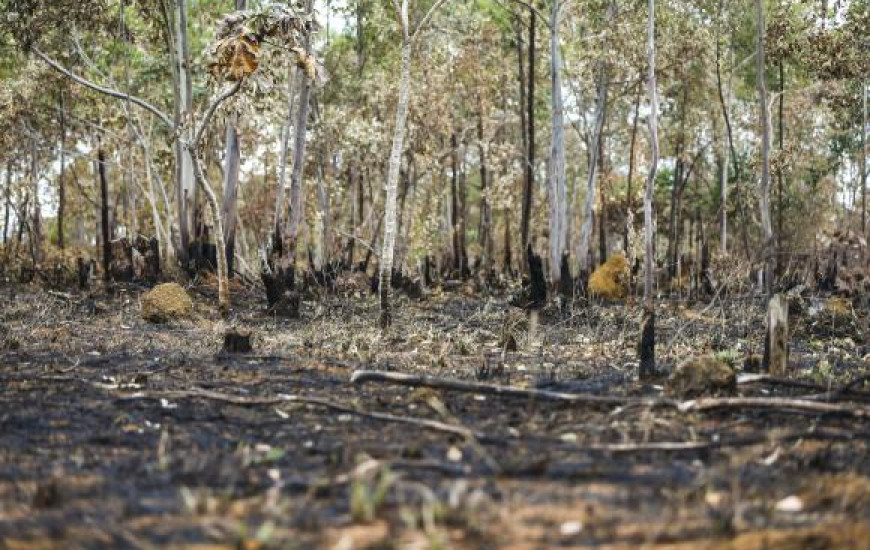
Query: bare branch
x: 362, y: 376
x: 209, y: 113
x: 423, y: 22
x: 164, y: 118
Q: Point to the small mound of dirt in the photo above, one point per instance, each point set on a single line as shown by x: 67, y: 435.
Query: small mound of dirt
x: 165, y: 303
x: 609, y: 280
x: 701, y: 376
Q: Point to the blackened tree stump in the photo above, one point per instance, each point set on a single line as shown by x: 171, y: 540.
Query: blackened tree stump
x: 237, y: 341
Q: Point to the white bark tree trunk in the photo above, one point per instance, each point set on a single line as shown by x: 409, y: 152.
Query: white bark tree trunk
x: 187, y: 187
x: 285, y: 148
x: 764, y: 184
x: 232, y: 159
x: 558, y: 185
x: 389, y: 243
x: 647, y: 340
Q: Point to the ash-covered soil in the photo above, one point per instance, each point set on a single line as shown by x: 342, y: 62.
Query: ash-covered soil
x: 117, y: 433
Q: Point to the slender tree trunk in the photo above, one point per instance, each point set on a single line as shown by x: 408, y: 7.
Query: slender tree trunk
x: 485, y: 234
x: 524, y: 138
x: 323, y: 219
x: 725, y: 103
x: 508, y: 257
x: 232, y: 159
x: 779, y: 175
x: 189, y: 191
x: 296, y: 195
x: 162, y: 232
x: 629, y: 207
x: 395, y: 162
x: 864, y: 158
x: 455, y: 204
x: 677, y: 190
x: 462, y: 222
x: 282, y: 161
x: 589, y: 200
x: 7, y: 202
x: 361, y: 204
x: 602, y: 211
x: 558, y: 184
x: 104, y: 213
x: 647, y: 339
x: 529, y: 182
x: 211, y: 197
x: 723, y: 160
x: 61, y: 187
x: 764, y: 185
x: 36, y: 224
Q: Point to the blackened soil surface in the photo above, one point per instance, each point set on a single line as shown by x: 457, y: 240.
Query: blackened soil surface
x: 103, y: 445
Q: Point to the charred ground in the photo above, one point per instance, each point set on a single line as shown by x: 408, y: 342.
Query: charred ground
x: 117, y: 432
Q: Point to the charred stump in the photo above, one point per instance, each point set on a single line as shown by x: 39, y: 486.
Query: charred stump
x: 647, y: 344
x: 237, y: 341
x: 566, y: 281
x: 534, y: 292
x: 776, y: 337
x: 278, y: 274
x: 121, y: 264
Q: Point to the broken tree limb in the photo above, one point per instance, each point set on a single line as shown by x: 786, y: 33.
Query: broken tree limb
x: 364, y: 376
x: 282, y: 399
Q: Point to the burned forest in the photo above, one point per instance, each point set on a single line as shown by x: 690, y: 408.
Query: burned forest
x: 434, y: 274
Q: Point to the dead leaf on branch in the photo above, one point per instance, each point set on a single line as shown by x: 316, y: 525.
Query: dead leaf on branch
x: 235, y: 58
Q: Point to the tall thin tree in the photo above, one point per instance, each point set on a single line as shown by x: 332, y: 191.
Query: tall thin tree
x: 647, y: 338
x: 764, y: 184
x: 409, y: 36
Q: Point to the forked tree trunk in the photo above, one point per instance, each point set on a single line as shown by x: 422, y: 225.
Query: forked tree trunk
x: 647, y: 337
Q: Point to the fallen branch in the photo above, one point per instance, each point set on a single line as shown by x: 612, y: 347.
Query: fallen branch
x: 744, y: 441
x: 695, y: 405
x: 307, y: 400
x: 363, y: 376
x: 777, y: 403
